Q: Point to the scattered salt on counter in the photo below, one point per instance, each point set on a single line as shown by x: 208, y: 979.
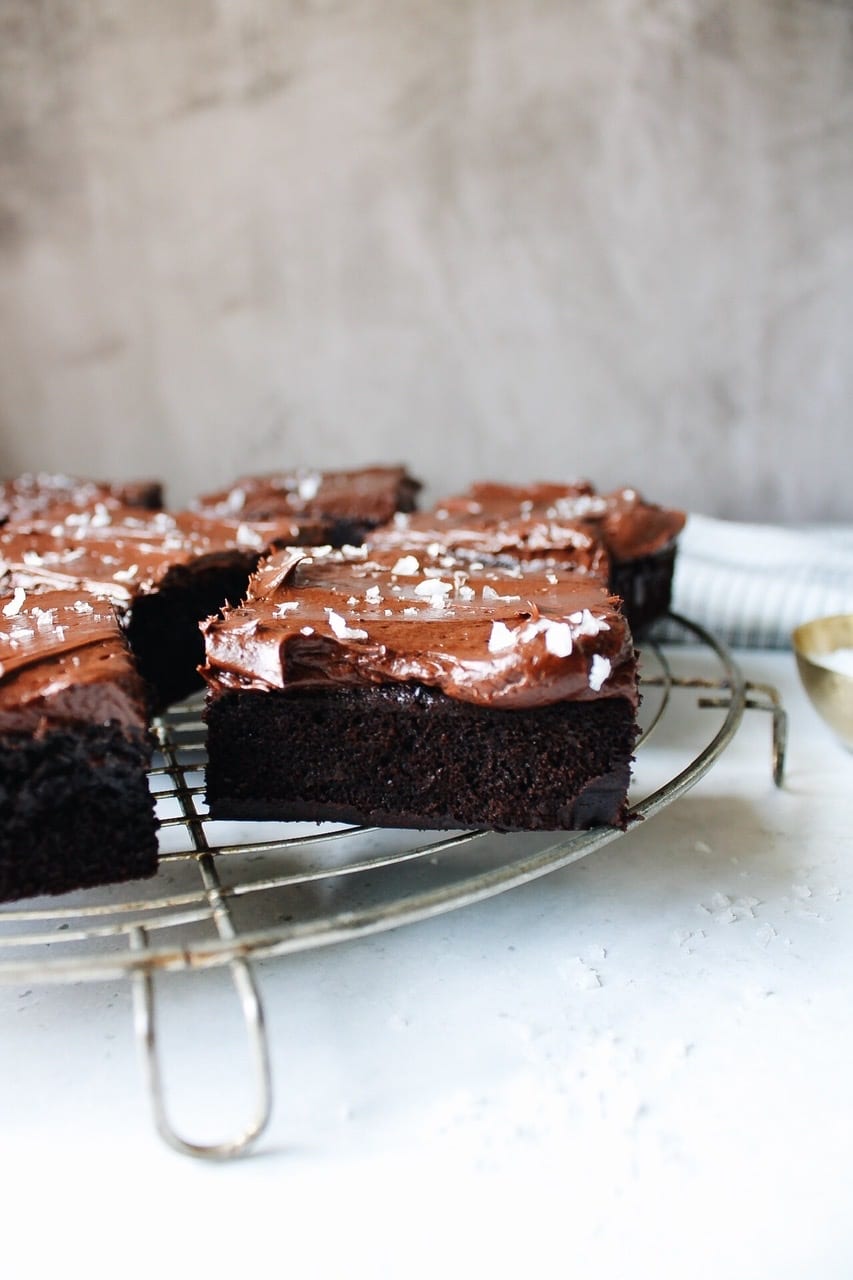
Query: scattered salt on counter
x: 839, y: 660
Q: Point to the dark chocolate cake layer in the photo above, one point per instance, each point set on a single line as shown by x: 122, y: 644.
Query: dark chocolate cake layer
x: 371, y: 685
x: 409, y: 756
x: 75, y: 808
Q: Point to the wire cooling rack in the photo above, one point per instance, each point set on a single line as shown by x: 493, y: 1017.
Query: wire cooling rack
x: 230, y: 893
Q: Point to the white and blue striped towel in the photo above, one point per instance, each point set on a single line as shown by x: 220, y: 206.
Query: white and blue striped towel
x: 751, y: 584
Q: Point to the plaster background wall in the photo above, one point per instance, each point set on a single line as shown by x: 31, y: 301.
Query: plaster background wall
x: 515, y: 237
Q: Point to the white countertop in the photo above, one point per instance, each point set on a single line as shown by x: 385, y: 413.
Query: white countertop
x: 638, y: 1065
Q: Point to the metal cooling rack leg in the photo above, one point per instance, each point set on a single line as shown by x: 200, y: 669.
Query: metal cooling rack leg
x: 764, y: 697
x: 146, y: 1035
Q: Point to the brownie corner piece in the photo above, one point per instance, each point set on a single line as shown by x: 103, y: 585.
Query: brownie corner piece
x: 75, y: 806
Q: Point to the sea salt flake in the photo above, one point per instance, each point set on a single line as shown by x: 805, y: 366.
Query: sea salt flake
x: 466, y: 593
x: 306, y: 631
x: 719, y: 901
x: 126, y: 575
x: 407, y: 566
x: 284, y: 608
x: 558, y: 639
x: 589, y: 625
x: 82, y: 606
x: 246, y: 536
x: 552, y: 578
x: 44, y: 618
x: 32, y: 559
x: 308, y: 486
x: 598, y: 672
x: 410, y: 612
x: 341, y: 630
x: 433, y: 587
x: 501, y: 638
x: 490, y: 594
x: 372, y: 595
x: 16, y: 604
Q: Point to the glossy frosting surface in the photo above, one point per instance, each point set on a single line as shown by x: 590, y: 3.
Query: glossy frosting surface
x: 568, y: 523
x: 497, y: 637
x: 123, y: 552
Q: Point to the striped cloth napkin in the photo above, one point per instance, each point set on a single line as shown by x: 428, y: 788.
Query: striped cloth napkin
x: 751, y: 584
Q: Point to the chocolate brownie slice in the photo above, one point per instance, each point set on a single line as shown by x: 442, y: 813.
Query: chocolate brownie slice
x: 619, y: 537
x: 38, y: 499
x: 163, y: 572
x: 420, y: 692
x: 75, y: 808
x: 339, y: 506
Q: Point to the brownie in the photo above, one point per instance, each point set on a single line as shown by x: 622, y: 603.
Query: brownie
x: 619, y: 537
x: 37, y: 499
x: 75, y: 808
x: 334, y: 507
x: 412, y: 691
x: 163, y: 572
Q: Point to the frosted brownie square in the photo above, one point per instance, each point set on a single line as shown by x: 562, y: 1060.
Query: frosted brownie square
x: 402, y: 690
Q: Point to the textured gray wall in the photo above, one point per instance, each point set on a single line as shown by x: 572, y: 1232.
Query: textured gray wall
x: 611, y: 237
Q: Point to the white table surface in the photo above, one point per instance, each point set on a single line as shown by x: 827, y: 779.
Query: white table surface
x: 639, y: 1065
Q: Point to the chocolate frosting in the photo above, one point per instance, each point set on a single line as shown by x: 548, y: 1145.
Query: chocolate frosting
x: 568, y: 523
x: 38, y: 498
x: 122, y: 553
x: 63, y: 658
x: 506, y: 638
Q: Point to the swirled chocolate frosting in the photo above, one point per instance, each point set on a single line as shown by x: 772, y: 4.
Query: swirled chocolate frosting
x: 498, y: 637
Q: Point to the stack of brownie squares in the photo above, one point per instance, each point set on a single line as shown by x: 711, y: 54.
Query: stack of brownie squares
x: 470, y: 666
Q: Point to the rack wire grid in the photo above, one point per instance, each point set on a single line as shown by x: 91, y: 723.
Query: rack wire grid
x: 230, y: 893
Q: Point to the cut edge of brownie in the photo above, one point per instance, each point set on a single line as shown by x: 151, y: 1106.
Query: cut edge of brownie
x: 410, y: 756
x: 75, y: 810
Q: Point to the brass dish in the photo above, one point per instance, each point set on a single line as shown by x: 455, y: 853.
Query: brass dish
x: 830, y: 691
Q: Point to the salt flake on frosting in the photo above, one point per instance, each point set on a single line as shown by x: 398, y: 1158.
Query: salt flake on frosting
x: 558, y: 639
x: 433, y: 587
x: 598, y: 672
x: 586, y: 624
x: 489, y: 593
x: 341, y: 630
x: 407, y: 566
x: 126, y: 575
x: 501, y: 638
x: 16, y: 604
x: 284, y: 608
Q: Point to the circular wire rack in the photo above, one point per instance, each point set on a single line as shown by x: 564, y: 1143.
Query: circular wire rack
x: 230, y: 893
